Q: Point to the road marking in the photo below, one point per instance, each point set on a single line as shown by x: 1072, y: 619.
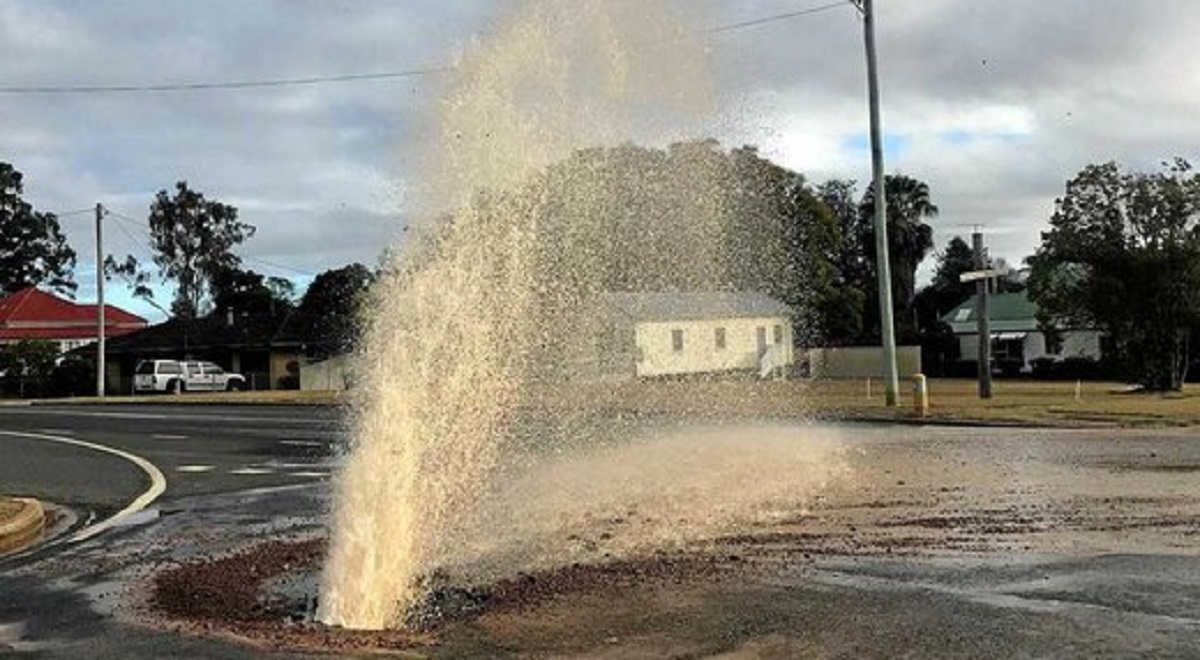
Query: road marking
x: 250, y: 471
x: 315, y: 475
x: 168, y: 436
x: 117, y: 415
x: 56, y: 431
x: 302, y: 443
x: 195, y: 469
x: 158, y: 482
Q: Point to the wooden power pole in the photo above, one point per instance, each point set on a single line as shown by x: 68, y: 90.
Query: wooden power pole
x: 100, y: 348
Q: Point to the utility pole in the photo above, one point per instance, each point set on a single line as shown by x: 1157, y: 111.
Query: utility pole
x: 882, y: 260
x: 983, y: 320
x: 100, y: 366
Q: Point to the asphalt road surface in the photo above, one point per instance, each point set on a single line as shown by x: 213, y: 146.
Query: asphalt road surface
x: 199, y: 449
x: 900, y: 541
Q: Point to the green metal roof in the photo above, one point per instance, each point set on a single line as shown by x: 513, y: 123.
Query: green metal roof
x: 1008, y: 312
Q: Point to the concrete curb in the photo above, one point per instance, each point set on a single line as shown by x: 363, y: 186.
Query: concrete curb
x: 21, y: 529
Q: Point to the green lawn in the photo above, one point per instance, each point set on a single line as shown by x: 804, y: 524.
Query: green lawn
x: 951, y: 400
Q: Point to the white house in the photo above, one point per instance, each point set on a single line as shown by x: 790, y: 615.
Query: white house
x: 1016, y: 338
x: 668, y: 334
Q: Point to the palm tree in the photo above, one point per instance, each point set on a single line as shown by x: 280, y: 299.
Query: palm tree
x: 910, y: 240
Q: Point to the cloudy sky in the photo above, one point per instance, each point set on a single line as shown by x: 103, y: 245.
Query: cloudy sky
x: 995, y: 103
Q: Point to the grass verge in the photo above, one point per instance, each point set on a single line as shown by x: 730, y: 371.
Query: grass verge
x: 952, y: 401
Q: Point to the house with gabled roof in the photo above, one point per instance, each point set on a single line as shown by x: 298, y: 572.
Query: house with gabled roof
x: 1017, y: 340
x: 681, y: 333
x: 259, y: 346
x: 35, y: 314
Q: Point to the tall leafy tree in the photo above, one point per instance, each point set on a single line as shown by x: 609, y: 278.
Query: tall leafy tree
x: 193, y: 239
x: 939, y: 347
x: 1123, y: 255
x: 33, y: 250
x: 331, y: 309
x: 248, y: 292
x: 956, y: 259
x: 909, y: 239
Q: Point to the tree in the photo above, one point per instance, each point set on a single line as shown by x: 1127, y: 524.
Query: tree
x: 939, y: 346
x: 332, y: 307
x: 33, y: 250
x: 248, y: 292
x: 31, y: 362
x: 1123, y: 256
x: 839, y: 197
x: 193, y: 239
x: 956, y: 259
x: 909, y: 238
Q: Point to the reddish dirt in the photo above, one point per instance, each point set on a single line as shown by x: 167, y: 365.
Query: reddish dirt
x: 224, y: 596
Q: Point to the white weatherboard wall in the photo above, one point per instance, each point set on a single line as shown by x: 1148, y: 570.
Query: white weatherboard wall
x: 1075, y: 344
x: 699, y: 353
x: 331, y: 374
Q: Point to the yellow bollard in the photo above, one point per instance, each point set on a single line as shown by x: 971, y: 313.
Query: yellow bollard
x: 920, y: 395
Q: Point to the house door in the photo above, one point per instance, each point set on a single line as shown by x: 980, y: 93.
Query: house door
x: 761, y: 334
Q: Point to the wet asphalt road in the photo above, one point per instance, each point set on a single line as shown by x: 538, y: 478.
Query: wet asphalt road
x: 200, y: 449
x: 1008, y: 544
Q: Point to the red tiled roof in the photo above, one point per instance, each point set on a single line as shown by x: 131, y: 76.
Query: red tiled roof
x: 34, y: 314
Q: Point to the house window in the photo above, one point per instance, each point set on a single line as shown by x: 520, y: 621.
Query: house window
x: 719, y: 338
x: 677, y: 341
x: 778, y: 334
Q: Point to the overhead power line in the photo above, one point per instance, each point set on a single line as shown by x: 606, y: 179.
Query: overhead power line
x: 124, y: 221
x: 271, y: 264
x: 67, y: 214
x: 217, y: 85
x: 755, y: 22
x: 228, y: 85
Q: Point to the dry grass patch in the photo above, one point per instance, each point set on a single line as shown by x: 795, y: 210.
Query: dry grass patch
x: 951, y: 401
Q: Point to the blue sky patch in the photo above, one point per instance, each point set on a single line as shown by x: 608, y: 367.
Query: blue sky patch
x: 893, y: 143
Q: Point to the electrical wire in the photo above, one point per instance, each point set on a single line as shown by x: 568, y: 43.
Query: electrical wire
x: 263, y: 262
x: 756, y: 22
x: 216, y: 85
x: 67, y: 214
x: 124, y: 220
x: 227, y: 85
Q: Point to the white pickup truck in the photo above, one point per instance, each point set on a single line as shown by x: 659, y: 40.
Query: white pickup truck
x: 208, y: 377
x: 184, y: 376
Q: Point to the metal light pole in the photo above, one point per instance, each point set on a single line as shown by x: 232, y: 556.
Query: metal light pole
x: 100, y: 367
x: 882, y: 260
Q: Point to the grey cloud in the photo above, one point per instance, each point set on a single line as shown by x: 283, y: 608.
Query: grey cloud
x: 1076, y: 81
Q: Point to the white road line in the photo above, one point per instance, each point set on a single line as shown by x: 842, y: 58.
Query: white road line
x: 158, y: 482
x: 168, y: 436
x: 315, y: 475
x: 116, y: 415
x: 195, y: 469
x: 56, y: 431
x: 302, y: 443
x: 251, y: 471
